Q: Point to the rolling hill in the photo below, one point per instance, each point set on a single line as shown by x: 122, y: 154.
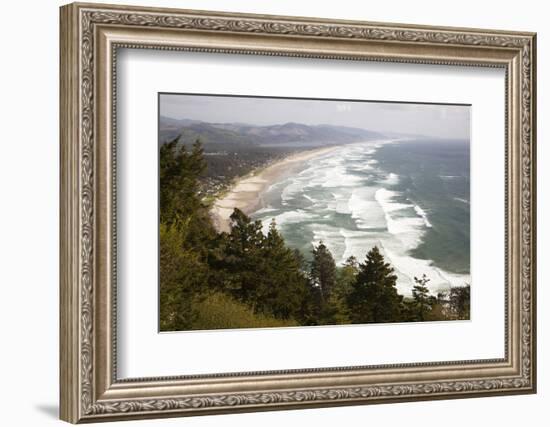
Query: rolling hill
x: 282, y: 135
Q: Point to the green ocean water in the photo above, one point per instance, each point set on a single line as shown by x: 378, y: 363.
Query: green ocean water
x: 435, y: 174
x: 410, y: 198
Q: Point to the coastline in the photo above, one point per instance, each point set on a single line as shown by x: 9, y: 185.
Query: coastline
x: 353, y: 208
x: 246, y: 193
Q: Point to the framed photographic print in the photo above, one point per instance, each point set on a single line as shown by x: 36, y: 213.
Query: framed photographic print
x: 265, y: 212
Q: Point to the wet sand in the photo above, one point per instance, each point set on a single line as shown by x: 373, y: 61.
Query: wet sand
x: 246, y: 193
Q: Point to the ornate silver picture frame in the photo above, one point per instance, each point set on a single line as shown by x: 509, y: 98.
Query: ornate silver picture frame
x: 91, y: 36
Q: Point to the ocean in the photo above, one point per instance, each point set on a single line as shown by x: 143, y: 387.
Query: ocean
x: 411, y: 198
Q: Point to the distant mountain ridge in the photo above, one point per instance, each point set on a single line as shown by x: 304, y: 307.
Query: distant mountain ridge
x: 290, y: 133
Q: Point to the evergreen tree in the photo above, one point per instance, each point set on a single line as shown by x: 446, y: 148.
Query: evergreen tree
x: 180, y: 172
x: 179, y: 180
x: 261, y: 270
x: 323, y: 270
x: 423, y: 301
x: 459, y: 302
x: 323, y: 278
x: 345, y: 278
x: 352, y: 263
x: 261, y: 278
x: 185, y: 230
x: 287, y: 285
x: 374, y: 297
x: 183, y: 274
x: 242, y: 258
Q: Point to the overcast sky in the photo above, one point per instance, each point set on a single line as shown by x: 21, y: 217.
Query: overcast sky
x: 446, y: 121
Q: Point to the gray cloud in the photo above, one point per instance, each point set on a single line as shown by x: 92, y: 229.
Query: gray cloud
x: 445, y: 121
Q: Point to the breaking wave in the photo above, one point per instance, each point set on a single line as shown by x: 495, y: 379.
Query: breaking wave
x: 349, y: 202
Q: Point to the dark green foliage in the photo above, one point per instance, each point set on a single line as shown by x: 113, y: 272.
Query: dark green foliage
x: 323, y: 282
x: 241, y: 257
x: 423, y: 303
x: 180, y: 200
x: 454, y: 304
x: 323, y: 270
x: 345, y: 278
x: 287, y: 283
x: 459, y: 302
x: 374, y: 297
x: 179, y: 173
x: 246, y: 278
x: 183, y: 234
x: 260, y: 270
x: 183, y: 274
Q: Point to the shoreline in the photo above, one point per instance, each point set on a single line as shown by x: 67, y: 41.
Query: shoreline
x: 245, y: 193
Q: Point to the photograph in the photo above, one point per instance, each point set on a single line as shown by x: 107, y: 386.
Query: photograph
x: 296, y: 212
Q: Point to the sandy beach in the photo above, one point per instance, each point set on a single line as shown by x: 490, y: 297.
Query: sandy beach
x: 246, y: 193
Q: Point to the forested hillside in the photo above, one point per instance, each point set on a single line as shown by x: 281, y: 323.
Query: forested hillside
x: 232, y: 150
x: 243, y: 278
x: 272, y: 135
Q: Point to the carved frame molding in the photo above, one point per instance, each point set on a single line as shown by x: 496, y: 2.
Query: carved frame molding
x: 90, y: 35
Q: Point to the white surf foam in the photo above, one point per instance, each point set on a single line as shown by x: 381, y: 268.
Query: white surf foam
x: 338, y: 178
x: 409, y: 230
x: 293, y: 217
x: 365, y: 210
x: 358, y: 243
x: 386, y: 200
x: 265, y: 210
x: 291, y: 190
x: 340, y: 184
x: 391, y: 179
x: 331, y: 238
x: 407, y: 268
x: 458, y: 199
x: 340, y: 204
x: 423, y: 214
x: 311, y: 199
